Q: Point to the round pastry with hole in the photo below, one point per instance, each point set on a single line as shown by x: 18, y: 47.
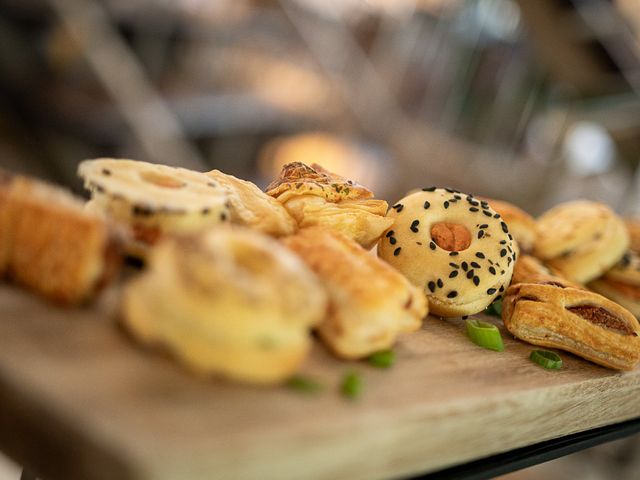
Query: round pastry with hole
x: 452, y: 245
x: 581, y: 239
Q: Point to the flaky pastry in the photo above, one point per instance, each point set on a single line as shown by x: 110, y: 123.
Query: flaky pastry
x: 369, y: 302
x: 314, y: 196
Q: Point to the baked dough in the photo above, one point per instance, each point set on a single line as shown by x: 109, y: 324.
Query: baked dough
x: 154, y: 200
x: 315, y: 196
x: 464, y: 276
x: 622, y: 283
x: 581, y: 239
x: 574, y: 320
x: 230, y: 301
x: 521, y: 225
x: 633, y: 227
x: 369, y: 302
x: 251, y: 207
x: 51, y: 245
x: 529, y: 269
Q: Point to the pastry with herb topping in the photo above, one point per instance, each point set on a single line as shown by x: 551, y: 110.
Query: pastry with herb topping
x: 315, y: 196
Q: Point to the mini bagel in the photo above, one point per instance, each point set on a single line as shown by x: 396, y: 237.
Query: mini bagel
x: 453, y: 246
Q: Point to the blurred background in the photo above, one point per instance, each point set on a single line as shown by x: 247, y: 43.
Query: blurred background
x: 534, y: 102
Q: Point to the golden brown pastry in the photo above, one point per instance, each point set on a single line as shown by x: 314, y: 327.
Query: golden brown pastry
x: 314, y: 196
x: 454, y: 247
x: 529, y: 269
x: 369, y: 302
x: 49, y: 244
x: 581, y: 239
x: 230, y: 301
x: 154, y: 200
x: 633, y: 227
x: 251, y: 207
x: 521, y: 225
x: 574, y: 320
x: 622, y: 283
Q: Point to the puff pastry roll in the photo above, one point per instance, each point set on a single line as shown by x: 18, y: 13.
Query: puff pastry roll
x: 370, y: 303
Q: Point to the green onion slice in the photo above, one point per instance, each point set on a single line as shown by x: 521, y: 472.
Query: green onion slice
x: 546, y: 359
x: 304, y: 384
x: 485, y: 335
x: 351, y: 385
x: 382, y: 359
x: 495, y: 308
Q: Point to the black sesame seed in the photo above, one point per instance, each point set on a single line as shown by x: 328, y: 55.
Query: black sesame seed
x: 432, y: 245
x: 453, y: 254
x: 484, y: 225
x: 476, y: 281
x: 503, y: 242
x: 487, y: 213
x: 432, y: 287
x: 465, y: 266
x: 396, y: 252
x: 414, y: 226
x: 398, y: 207
x: 514, y: 256
x: 505, y: 229
x: 484, y: 204
x: 501, y: 272
x: 452, y: 294
x: 426, y: 204
x: 479, y: 254
x: 392, y: 240
x: 510, y: 236
x: 501, y: 289
x: 496, y: 215
x: 508, y: 260
x: 429, y: 189
x: 451, y: 190
x: 473, y: 202
x: 475, y: 264
x: 480, y: 234
x: 464, y: 317
x: 142, y: 211
x: 491, y: 291
x: 223, y: 217
x: 446, y: 204
x: 470, y: 274
x: 106, y: 171
x: 503, y: 252
x: 440, y: 283
x: 474, y: 209
x: 509, y: 248
x: 419, y: 243
x: 454, y: 265
x: 453, y: 274
x: 492, y: 270
x: 390, y: 233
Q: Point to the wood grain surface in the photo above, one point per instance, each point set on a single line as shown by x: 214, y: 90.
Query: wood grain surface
x: 79, y: 399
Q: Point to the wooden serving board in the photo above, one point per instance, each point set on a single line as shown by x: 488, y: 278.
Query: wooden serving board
x: 79, y: 399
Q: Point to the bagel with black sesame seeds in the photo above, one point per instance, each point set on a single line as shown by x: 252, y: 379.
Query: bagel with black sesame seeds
x: 453, y: 246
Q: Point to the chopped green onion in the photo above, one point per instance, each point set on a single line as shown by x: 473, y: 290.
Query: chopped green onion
x: 495, y: 308
x: 304, y: 384
x: 382, y: 359
x: 351, y: 385
x: 546, y: 359
x: 485, y: 335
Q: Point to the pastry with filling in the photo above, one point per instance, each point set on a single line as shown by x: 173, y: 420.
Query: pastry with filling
x: 251, y: 207
x: 154, y: 200
x: 315, y: 196
x: 370, y: 303
x: 229, y: 302
x: 51, y: 245
x: 581, y: 239
x: 575, y: 320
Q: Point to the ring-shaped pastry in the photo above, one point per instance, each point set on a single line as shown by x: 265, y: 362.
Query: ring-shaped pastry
x: 453, y: 246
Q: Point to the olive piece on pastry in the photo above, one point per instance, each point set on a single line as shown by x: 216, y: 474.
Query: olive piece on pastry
x: 315, y: 196
x: 369, y: 302
x: 154, y: 200
x: 452, y: 245
x: 229, y: 301
x: 581, y: 239
x: 575, y: 320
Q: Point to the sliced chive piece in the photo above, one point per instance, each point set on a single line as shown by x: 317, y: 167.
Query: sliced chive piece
x: 485, y: 335
x: 304, y: 384
x: 351, y: 386
x: 546, y: 359
x: 495, y: 308
x: 382, y: 359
